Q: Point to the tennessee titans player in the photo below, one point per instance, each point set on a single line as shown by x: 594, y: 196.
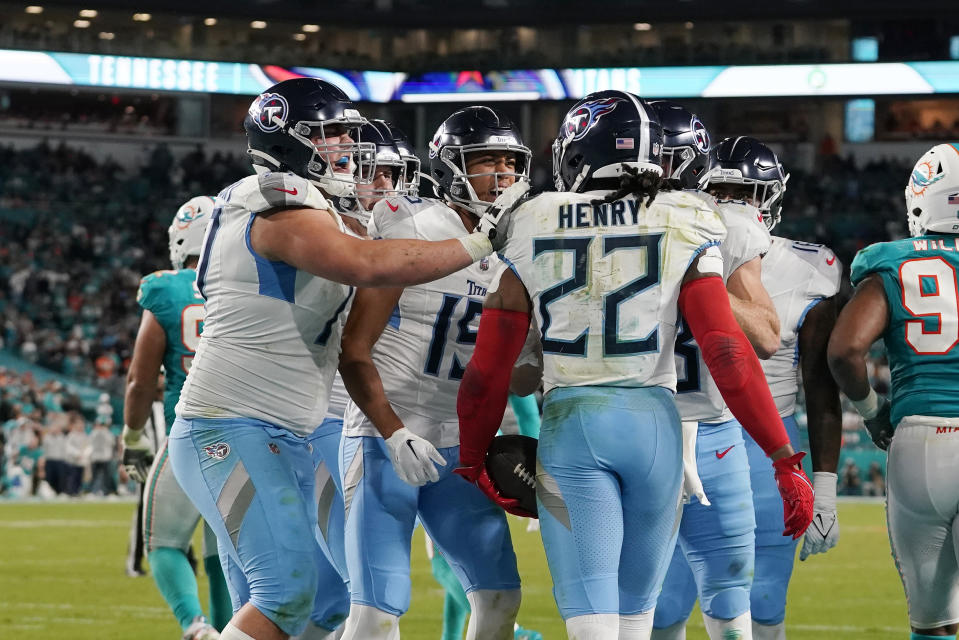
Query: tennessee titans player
x: 803, y: 279
x: 608, y: 264
x: 276, y: 273
x: 714, y: 557
x: 403, y: 356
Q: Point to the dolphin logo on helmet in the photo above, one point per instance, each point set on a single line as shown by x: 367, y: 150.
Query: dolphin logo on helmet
x: 922, y: 178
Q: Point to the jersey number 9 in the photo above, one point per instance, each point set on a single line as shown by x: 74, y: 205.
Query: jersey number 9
x: 929, y: 291
x: 191, y: 324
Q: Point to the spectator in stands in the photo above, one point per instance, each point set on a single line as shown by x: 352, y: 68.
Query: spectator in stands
x: 850, y: 484
x: 29, y: 459
x: 76, y: 445
x: 103, y: 447
x: 876, y: 483
x: 54, y: 447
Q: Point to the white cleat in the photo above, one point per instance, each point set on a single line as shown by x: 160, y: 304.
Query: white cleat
x: 200, y: 629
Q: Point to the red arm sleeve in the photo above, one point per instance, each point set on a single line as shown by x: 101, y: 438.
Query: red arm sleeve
x: 732, y: 361
x: 484, y: 389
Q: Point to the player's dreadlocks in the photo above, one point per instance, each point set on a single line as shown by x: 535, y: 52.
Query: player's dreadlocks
x: 632, y: 181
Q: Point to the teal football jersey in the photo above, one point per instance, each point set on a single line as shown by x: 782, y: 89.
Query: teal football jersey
x: 172, y: 297
x: 919, y: 277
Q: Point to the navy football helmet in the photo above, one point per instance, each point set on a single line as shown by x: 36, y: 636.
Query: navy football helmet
x: 601, y: 133
x: 411, y: 185
x: 467, y: 131
x: 386, y: 156
x: 748, y: 162
x: 685, y: 145
x: 287, y: 127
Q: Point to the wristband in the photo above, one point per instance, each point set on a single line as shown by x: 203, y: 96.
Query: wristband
x: 868, y: 407
x: 824, y: 485
x: 131, y: 436
x: 477, y: 245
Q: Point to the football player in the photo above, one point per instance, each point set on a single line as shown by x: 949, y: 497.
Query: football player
x: 168, y: 336
x: 714, y: 557
x: 403, y: 356
x: 906, y: 294
x: 275, y: 272
x: 608, y: 264
x: 803, y: 279
x: 388, y: 169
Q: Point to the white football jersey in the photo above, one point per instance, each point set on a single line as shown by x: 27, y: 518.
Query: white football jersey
x: 271, y: 336
x: 339, y: 397
x: 423, y: 351
x: 697, y: 396
x: 604, y: 281
x: 797, y: 275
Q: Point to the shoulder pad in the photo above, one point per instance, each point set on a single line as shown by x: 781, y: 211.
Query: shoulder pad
x: 150, y: 294
x: 284, y: 190
x: 747, y: 236
x: 694, y: 212
x: 826, y: 277
x: 870, y: 260
x: 394, y: 217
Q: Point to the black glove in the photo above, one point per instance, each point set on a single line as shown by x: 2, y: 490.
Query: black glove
x: 880, y: 428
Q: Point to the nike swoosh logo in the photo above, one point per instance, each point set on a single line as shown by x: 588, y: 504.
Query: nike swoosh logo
x: 829, y: 261
x: 292, y: 191
x: 720, y: 455
x: 819, y: 525
x: 393, y: 207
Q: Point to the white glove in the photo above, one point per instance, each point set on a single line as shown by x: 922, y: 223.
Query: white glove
x: 692, y: 485
x: 413, y: 457
x: 137, y: 455
x: 497, y: 214
x: 823, y: 534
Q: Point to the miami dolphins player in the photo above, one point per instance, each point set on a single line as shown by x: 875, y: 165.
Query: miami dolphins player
x: 404, y: 351
x: 608, y: 264
x: 276, y: 272
x: 169, y: 333
x: 906, y: 294
x: 803, y: 279
x: 714, y: 557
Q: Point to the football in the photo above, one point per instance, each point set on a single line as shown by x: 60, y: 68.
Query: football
x: 511, y: 464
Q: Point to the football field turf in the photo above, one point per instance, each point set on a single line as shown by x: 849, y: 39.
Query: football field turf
x: 62, y: 577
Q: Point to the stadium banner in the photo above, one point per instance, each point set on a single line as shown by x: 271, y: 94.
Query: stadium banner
x: 197, y: 76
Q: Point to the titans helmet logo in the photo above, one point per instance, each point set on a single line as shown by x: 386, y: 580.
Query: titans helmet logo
x: 586, y: 116
x: 923, y: 178
x: 218, y: 451
x: 700, y: 135
x: 265, y: 108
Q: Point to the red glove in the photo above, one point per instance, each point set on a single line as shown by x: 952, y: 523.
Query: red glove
x: 797, y: 492
x: 477, y: 475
